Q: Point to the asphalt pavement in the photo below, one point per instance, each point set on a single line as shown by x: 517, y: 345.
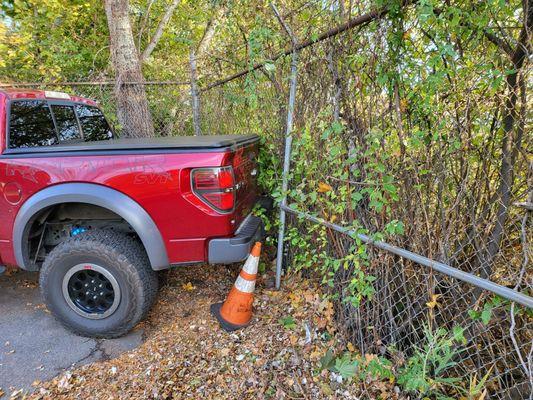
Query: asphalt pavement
x: 34, y: 346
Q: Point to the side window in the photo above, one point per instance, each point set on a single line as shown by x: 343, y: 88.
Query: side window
x: 66, y: 122
x: 93, y: 123
x: 31, y: 124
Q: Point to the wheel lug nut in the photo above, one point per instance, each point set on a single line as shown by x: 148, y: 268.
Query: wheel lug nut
x: 101, y: 293
x: 86, y: 284
x: 94, y: 297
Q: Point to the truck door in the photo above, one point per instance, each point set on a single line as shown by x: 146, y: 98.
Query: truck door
x: 30, y: 124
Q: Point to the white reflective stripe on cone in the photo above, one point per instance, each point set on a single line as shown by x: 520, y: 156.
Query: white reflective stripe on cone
x: 250, y: 266
x: 245, y: 286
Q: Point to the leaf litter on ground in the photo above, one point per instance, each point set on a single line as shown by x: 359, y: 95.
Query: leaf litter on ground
x: 186, y: 354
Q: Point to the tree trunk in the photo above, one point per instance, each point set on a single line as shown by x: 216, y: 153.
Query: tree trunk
x: 512, y: 139
x: 132, y: 104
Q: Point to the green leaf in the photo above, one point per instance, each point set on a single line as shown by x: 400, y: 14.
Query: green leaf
x: 485, y: 315
x: 473, y: 314
x: 377, y: 205
x: 356, y: 197
x: 337, y: 127
x: 458, y: 334
x: 326, y: 362
x: 288, y: 322
x: 269, y: 67
x: 389, y: 188
x: 346, y: 367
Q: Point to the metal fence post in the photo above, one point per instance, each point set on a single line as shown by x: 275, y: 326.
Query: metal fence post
x: 288, y: 144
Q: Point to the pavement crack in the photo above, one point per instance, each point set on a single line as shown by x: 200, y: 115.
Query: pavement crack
x: 104, y: 355
x: 93, y: 352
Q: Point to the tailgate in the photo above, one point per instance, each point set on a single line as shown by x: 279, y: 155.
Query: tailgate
x: 246, y: 170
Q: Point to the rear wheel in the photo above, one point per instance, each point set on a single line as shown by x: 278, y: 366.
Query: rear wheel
x: 98, y: 283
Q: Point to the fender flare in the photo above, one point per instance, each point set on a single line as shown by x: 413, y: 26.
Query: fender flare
x: 97, y: 195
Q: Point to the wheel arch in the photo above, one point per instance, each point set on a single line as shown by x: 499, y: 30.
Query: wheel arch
x: 96, y: 195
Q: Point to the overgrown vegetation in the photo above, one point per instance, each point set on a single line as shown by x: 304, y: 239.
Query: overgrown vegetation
x: 413, y: 128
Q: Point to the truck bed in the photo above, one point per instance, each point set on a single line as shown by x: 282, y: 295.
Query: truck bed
x: 161, y: 144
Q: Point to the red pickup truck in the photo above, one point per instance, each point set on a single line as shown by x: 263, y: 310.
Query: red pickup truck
x: 99, y: 215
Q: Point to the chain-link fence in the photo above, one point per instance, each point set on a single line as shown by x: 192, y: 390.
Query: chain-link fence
x: 370, y: 152
x: 433, y: 326
x: 424, y: 158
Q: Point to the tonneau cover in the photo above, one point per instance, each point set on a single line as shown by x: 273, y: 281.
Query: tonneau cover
x: 185, y: 143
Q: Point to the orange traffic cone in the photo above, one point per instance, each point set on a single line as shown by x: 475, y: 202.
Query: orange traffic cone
x: 236, y: 312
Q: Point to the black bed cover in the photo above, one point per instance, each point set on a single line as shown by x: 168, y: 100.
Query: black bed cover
x: 176, y: 143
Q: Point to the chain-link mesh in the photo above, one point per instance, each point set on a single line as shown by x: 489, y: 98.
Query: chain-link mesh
x: 411, y: 303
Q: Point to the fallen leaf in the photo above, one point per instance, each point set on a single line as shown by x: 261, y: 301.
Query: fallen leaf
x: 433, y: 303
x: 324, y: 187
x: 225, y: 352
x: 16, y: 394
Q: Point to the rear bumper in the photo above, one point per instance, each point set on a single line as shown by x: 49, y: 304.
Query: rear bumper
x: 236, y: 248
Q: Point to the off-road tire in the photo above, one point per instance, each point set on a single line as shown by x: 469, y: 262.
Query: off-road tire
x: 121, y: 256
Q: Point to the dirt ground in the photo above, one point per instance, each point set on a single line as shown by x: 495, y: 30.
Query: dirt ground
x: 186, y: 355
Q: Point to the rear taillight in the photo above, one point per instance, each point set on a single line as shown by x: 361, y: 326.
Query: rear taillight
x: 215, y: 187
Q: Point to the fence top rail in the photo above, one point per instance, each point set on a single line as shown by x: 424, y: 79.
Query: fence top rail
x: 350, y: 24
x: 92, y: 83
x: 472, y: 279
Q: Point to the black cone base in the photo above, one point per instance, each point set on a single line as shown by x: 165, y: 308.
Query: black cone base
x: 227, y: 326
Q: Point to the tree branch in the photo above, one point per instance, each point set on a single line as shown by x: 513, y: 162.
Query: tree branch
x: 193, y: 54
x: 144, y: 22
x: 500, y: 43
x: 159, y: 31
x: 210, y: 30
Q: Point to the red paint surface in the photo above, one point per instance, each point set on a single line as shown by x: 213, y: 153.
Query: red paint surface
x: 13, y: 93
x: 160, y: 183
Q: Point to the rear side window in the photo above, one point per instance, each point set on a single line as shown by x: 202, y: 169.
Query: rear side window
x: 31, y: 124
x: 66, y: 122
x: 93, y: 123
